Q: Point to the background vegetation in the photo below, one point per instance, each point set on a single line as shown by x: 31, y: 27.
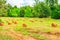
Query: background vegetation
x: 49, y: 8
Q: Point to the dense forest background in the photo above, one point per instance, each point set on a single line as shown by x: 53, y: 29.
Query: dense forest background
x: 49, y: 8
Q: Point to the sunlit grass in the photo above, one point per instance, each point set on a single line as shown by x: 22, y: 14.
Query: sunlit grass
x: 6, y: 37
x: 39, y: 24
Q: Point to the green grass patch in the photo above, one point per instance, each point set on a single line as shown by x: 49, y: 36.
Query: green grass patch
x: 22, y: 30
x: 38, y: 36
x: 6, y: 37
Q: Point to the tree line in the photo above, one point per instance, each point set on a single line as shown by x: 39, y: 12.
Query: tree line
x: 48, y: 8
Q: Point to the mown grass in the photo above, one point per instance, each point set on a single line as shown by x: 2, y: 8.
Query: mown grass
x: 39, y: 24
x: 27, y: 33
x: 5, y: 37
x: 41, y: 37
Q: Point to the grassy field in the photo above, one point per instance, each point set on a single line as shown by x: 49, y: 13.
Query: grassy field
x: 29, y: 28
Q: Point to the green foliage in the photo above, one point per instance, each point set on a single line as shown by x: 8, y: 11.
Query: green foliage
x: 51, y: 2
x: 56, y: 12
x: 36, y: 1
x: 22, y: 12
x: 36, y: 10
x: 42, y: 10
x: 3, y: 10
x: 28, y: 12
x: 13, y: 12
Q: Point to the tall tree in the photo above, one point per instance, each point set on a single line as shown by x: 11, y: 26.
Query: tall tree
x: 51, y: 3
x: 3, y: 10
x: 36, y: 1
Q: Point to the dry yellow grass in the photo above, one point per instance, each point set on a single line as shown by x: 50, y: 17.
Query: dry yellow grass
x: 41, y: 26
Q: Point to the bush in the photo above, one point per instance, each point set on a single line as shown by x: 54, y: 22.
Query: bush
x: 55, y: 13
